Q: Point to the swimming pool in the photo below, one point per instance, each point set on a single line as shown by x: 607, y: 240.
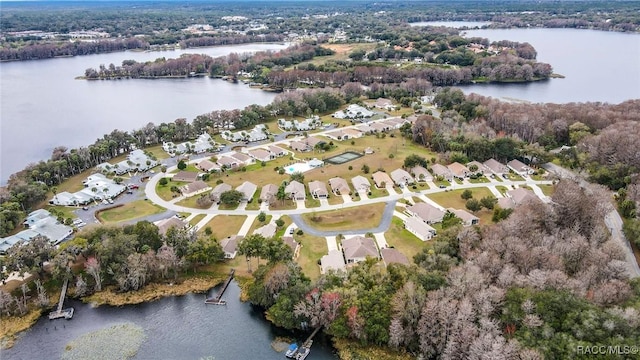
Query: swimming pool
x: 297, y: 167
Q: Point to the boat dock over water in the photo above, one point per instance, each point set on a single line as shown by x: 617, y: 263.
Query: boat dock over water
x: 301, y: 353
x: 59, y: 313
x: 217, y: 300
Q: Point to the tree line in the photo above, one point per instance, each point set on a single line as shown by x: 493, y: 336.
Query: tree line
x: 510, y: 290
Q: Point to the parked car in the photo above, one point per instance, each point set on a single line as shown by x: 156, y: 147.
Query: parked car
x: 110, y: 201
x: 442, y: 186
x: 85, y: 208
x: 292, y: 230
x: 133, y: 186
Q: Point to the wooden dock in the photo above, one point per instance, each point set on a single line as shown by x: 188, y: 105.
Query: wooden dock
x: 217, y: 299
x: 59, y: 313
x: 305, y: 349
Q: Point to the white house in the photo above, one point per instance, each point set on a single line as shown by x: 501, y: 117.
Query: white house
x: 354, y: 112
x: 318, y: 189
x: 519, y: 167
x: 401, y: 177
x: 418, y: 228
x: 361, y: 183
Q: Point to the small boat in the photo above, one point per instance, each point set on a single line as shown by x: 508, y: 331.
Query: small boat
x: 302, y: 354
x: 291, y: 351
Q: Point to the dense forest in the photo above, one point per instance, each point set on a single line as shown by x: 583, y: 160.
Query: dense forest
x: 47, y: 30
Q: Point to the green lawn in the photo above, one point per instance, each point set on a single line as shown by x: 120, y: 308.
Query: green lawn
x: 196, y: 219
x: 502, y: 189
x: 482, y: 179
x: 256, y: 224
x: 223, y: 226
x: 375, y: 192
x: 287, y: 205
x: 165, y: 191
x: 361, y: 217
x: 64, y: 211
x: 514, y: 177
x: 287, y: 221
x: 402, y: 240
x: 129, y: 211
x: 254, y: 204
x: 157, y: 151
x: 452, y: 199
x: 313, y: 248
x: 310, y: 202
x: 191, y: 202
x: 443, y: 182
x: 547, y: 189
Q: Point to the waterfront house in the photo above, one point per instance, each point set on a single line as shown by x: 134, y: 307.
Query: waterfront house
x: 230, y: 246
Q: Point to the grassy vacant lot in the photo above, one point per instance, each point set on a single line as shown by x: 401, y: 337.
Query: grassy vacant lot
x: 223, y: 226
x: 402, y: 240
x: 342, y: 52
x: 129, y: 211
x: 547, y: 189
x: 313, y: 248
x: 361, y: 217
x: 452, y: 199
x: 196, y: 219
x: 165, y: 191
x: 158, y: 152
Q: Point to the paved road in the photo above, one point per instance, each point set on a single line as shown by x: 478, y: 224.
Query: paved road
x: 612, y: 220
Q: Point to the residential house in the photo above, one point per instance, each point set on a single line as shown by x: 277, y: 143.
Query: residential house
x: 339, y: 186
x: 354, y: 112
x: 426, y: 212
x: 496, y: 167
x: 517, y: 197
x: 420, y: 174
x: 384, y: 104
x: 365, y: 128
x: 277, y: 151
x: 295, y: 190
x: 202, y: 144
x: 97, y: 187
x: 194, y: 188
x: 294, y: 245
x: 228, y: 162
x: 344, y: 134
x: 358, y: 248
x: 268, y: 193
x: 261, y: 155
x: 458, y: 170
x: 218, y: 190
x: 393, y: 256
x: 467, y: 218
x: 401, y: 177
x: 230, y: 246
x: 207, y: 165
x: 381, y: 179
x: 519, y: 167
x: 361, y: 183
x: 479, y: 167
x: 418, y: 228
x: 394, y: 123
x: 300, y: 146
x: 379, y: 127
x: 318, y: 190
x: 248, y: 189
x: 185, y: 176
x: 295, y: 125
x: 334, y: 260
x: 242, y: 159
x: 258, y: 133
x: 313, y: 141
x: 267, y: 231
x: 173, y: 222
x: 443, y: 171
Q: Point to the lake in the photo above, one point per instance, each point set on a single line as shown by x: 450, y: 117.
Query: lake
x: 597, y: 65
x: 42, y: 105
x: 180, y: 327
x: 453, y: 24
